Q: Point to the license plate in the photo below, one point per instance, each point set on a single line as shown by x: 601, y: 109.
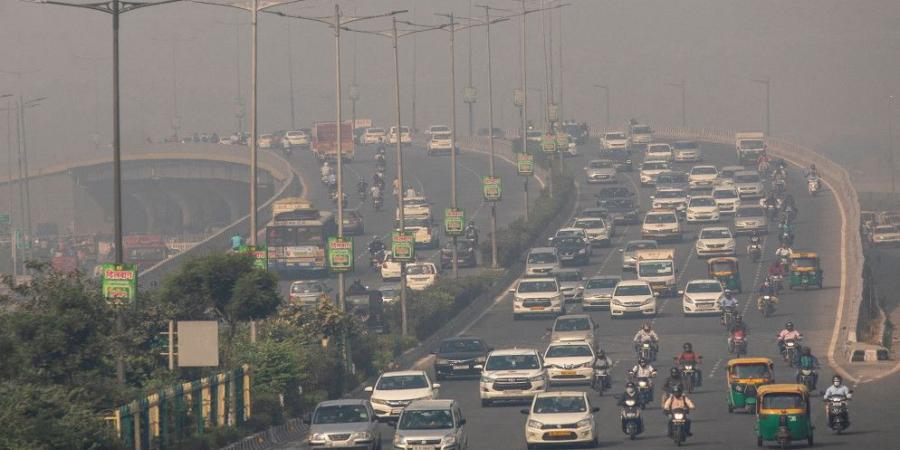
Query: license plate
x: 514, y: 392
x: 460, y: 367
x: 422, y: 447
x: 559, y: 433
x: 396, y: 411
x: 567, y: 372
x: 536, y: 308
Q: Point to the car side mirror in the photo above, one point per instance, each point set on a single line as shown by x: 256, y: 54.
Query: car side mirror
x: 651, y: 197
x: 680, y: 292
x: 511, y: 290
x: 368, y: 389
x: 525, y: 411
x: 546, y: 366
x: 621, y: 250
x: 462, y: 422
x: 595, y: 409
x: 436, y: 386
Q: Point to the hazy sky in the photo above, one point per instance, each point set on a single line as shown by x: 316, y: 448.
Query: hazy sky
x: 832, y: 65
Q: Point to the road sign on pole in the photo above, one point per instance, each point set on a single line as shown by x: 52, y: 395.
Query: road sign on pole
x: 119, y: 282
x: 454, y: 221
x: 403, y: 246
x: 548, y: 143
x: 340, y: 254
x: 492, y: 189
x: 525, y: 164
x: 518, y: 97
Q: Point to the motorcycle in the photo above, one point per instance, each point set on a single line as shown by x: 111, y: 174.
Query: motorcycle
x: 678, y: 426
x: 737, y: 343
x: 600, y: 381
x: 766, y: 305
x: 790, y: 353
x: 632, y: 423
x: 376, y: 259
x: 362, y: 190
x: 755, y: 251
x: 378, y: 203
x: 807, y: 377
x: 647, y: 352
x: 777, y: 281
x: 813, y: 186
x: 645, y: 391
x: 472, y: 236
x: 786, y: 237
x: 771, y: 210
x: 728, y: 316
x: 688, y: 376
x: 838, y: 414
x: 778, y: 185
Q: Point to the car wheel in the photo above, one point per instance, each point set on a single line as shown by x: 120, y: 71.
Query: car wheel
x: 485, y: 403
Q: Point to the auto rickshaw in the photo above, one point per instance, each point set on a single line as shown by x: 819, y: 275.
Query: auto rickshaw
x: 804, y: 270
x: 725, y: 270
x: 744, y: 376
x: 782, y: 414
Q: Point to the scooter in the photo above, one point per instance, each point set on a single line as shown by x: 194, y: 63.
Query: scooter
x: 728, y: 316
x: 688, y: 376
x: 766, y: 305
x: 755, y: 251
x: 647, y: 352
x: 813, y: 186
x: 600, y: 381
x: 632, y: 423
x: 838, y: 414
x: 737, y: 344
x: 678, y: 426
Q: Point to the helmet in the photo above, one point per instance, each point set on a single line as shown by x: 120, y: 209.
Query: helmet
x: 738, y: 318
x: 677, y: 390
x: 789, y: 326
x: 646, y: 326
x: 601, y: 354
x: 642, y: 362
x: 728, y: 293
x: 675, y: 372
x: 806, y: 351
x: 688, y: 347
x: 837, y: 380
x: 629, y: 387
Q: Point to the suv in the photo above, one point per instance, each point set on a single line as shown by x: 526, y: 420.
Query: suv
x: 537, y: 296
x: 660, y: 224
x: 465, y: 255
x: 573, y: 327
x: 395, y: 390
x: 349, y: 423
x: 727, y: 199
x: 573, y: 249
x: 748, y: 184
x: 633, y: 296
x: 431, y: 424
x: 512, y: 374
x: 658, y: 151
x: 458, y: 356
x: 614, y: 139
x: 540, y: 261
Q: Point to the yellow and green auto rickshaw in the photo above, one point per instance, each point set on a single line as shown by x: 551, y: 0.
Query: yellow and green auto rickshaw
x: 725, y: 270
x: 782, y: 415
x: 744, y: 376
x: 805, y: 271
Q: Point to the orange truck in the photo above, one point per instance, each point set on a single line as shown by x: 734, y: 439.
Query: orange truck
x: 324, y: 143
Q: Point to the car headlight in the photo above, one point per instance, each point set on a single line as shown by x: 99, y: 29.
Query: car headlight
x: 486, y: 379
x: 317, y: 437
x: 730, y: 244
x: 441, y: 361
x: 587, y: 364
x: 363, y: 436
x: 377, y: 401
x: 688, y: 300
x: 581, y: 251
x: 649, y: 300
x: 583, y: 423
x: 399, y: 440
x: 535, y: 424
x: 448, y: 440
x: 616, y: 302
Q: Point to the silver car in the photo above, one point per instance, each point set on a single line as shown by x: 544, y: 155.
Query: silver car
x: 431, y: 424
x: 749, y: 218
x: 598, y: 291
x: 346, y: 423
x: 600, y: 171
x: 573, y: 327
x: 540, y: 261
x: 629, y: 262
x: 571, y: 283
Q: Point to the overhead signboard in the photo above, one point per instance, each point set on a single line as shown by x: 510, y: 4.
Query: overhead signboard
x: 492, y: 189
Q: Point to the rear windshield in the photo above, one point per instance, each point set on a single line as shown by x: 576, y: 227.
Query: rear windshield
x: 602, y: 283
x: 567, y: 351
x: 512, y: 362
x: 750, y: 212
x: 703, y: 287
x: 746, y: 178
x: 541, y: 258
x: 639, y: 289
x: 660, y: 218
x: 573, y: 324
x: 462, y: 345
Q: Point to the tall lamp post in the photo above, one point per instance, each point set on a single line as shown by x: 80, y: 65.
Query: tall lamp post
x: 766, y: 82
x: 238, y: 100
x: 891, y: 144
x: 176, y: 118
x: 683, y: 107
x: 606, y: 90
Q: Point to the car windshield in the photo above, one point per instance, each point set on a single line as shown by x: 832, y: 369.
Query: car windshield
x: 569, y: 242
x: 568, y: 233
x: 805, y: 263
x: 704, y: 171
x: 541, y: 258
x: 750, y: 371
x: 593, y: 212
x: 659, y: 149
x: 526, y: 287
x: 746, y: 178
x: 375, y: 131
x: 656, y: 268
x: 306, y: 288
x: 512, y: 362
x: 633, y: 246
x: 615, y: 136
x: 440, y: 129
x: 783, y: 400
x: 573, y: 324
x: 661, y: 218
x: 885, y: 229
x: 703, y: 201
x: 441, y: 136
x: 602, y: 283
x: 618, y: 203
x: 686, y: 145
x: 462, y: 345
x: 670, y: 194
x: 420, y: 269
x: 654, y: 166
x: 340, y: 414
x: 722, y: 266
x: 388, y: 292
x: 724, y: 193
x: 723, y: 233
x: 569, y: 276
x: 559, y: 404
x: 750, y: 212
x: 703, y: 287
x: 601, y: 164
x: 637, y: 289
x: 672, y: 178
x: 753, y: 144
x: 398, y: 382
x: 435, y: 419
x: 590, y: 223
x: 567, y: 351
x: 640, y: 130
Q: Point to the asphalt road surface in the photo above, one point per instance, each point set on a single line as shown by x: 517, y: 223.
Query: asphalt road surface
x: 818, y: 229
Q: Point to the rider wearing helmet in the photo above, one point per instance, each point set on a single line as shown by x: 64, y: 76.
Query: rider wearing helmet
x: 787, y: 333
x: 727, y: 303
x: 673, y: 380
x: 603, y: 362
x: 688, y: 356
x: 679, y: 401
x: 643, y: 369
x: 630, y: 394
x: 837, y: 388
x: 645, y: 334
x: 808, y: 362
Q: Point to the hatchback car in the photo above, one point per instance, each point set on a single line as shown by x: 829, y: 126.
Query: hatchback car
x: 597, y: 230
x: 727, y: 199
x: 600, y: 171
x: 702, y: 209
x: 395, y: 390
x: 659, y: 151
x: 569, y: 362
x: 345, y: 423
x: 460, y: 356
x: 390, y: 269
x: 431, y: 424
x: 701, y: 297
x: 560, y: 418
x: 420, y: 275
x: 715, y: 241
x: 650, y: 169
x: 308, y: 293
x: 632, y: 296
x: 686, y: 151
x: 703, y: 177
x: 573, y: 327
x: 598, y: 291
x: 512, y: 374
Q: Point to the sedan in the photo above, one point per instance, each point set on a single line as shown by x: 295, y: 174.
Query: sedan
x: 715, y: 241
x: 560, y: 418
x: 395, y: 390
x: 600, y: 171
x: 569, y: 362
x: 347, y: 423
x: 702, y: 209
x: 596, y: 229
x: 598, y: 291
x: 885, y: 235
x: 749, y: 218
x: 703, y: 177
x: 458, y: 356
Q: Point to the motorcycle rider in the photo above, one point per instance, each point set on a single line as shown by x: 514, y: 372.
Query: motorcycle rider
x: 787, y: 333
x: 777, y: 268
x: 808, y: 362
x: 410, y: 192
x: 326, y: 170
x: 688, y: 356
x: 645, y: 334
x: 737, y: 326
x: 783, y: 252
x: 376, y: 245
x: 630, y: 394
x: 812, y: 172
x: 837, y: 388
x: 766, y: 288
x: 603, y: 362
x: 755, y: 241
x: 727, y: 302
x: 471, y: 232
x: 673, y: 380
x: 762, y: 163
x: 643, y: 369
x: 679, y: 401
x: 362, y: 187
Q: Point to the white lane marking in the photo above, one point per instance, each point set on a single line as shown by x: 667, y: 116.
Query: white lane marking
x: 502, y: 158
x: 712, y: 371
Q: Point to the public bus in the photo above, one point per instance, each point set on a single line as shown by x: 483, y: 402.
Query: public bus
x: 297, y: 237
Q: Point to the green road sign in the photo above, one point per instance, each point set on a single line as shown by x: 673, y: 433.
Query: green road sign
x: 454, y: 221
x: 119, y: 282
x: 340, y: 254
x: 403, y: 246
x: 548, y: 143
x: 525, y: 164
x: 562, y: 140
x: 21, y: 241
x: 260, y: 255
x: 493, y: 192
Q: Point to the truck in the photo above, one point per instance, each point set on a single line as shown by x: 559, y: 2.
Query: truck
x: 324, y: 144
x: 145, y: 250
x: 657, y: 267
x: 750, y: 145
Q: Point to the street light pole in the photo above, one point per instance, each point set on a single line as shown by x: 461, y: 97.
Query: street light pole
x: 891, y: 144
x: 453, y: 203
x: 766, y: 81
x: 176, y: 119
x: 470, y: 100
x: 683, y: 107
x: 290, y: 51
x: 606, y: 90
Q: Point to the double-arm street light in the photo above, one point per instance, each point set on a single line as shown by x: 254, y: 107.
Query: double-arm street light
x: 606, y: 90
x: 176, y: 118
x: 766, y: 82
x: 681, y: 86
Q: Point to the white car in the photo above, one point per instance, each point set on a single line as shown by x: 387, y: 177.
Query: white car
x: 641, y: 134
x: 541, y: 261
x: 512, y: 374
x: 686, y: 151
x: 650, y: 169
x: 422, y: 233
x: 420, y: 275
x: 727, y: 199
x: 670, y: 198
x: 702, y: 209
x: 416, y: 206
x: 701, y: 297
x: 297, y: 138
x: 265, y: 141
x: 395, y: 390
x: 439, y: 142
x: 569, y: 362
x: 374, y: 135
x: 632, y: 296
x: 715, y: 241
x: 435, y: 129
x: 726, y: 175
x: 749, y: 218
x: 537, y: 296
x: 390, y: 269
x: 614, y: 140
x: 885, y: 235
x: 661, y: 224
x: 562, y: 417
x: 600, y: 171
x: 596, y: 229
x: 659, y: 151
x: 748, y: 184
x: 405, y: 135
x: 703, y: 177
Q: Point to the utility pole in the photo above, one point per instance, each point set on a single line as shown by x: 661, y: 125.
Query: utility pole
x: 453, y: 203
x: 606, y: 89
x: 766, y: 82
x: 891, y: 145
x: 683, y: 107
x: 354, y: 88
x: 290, y: 52
x: 238, y: 99
x: 176, y: 118
x: 561, y: 83
x: 469, y: 95
x: 9, y: 178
